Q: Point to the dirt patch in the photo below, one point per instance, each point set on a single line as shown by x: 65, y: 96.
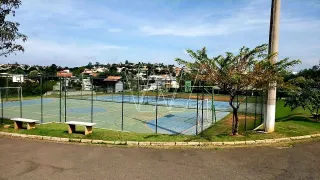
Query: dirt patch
x: 228, y: 119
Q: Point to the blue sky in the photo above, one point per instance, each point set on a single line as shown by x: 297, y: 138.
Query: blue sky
x: 74, y: 32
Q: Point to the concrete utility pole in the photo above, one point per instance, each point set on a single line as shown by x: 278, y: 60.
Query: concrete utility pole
x: 273, y: 48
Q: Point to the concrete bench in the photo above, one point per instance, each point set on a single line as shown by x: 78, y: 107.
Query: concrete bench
x: 31, y: 124
x: 72, y: 126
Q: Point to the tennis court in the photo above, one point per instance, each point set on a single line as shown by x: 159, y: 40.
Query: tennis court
x: 170, y: 116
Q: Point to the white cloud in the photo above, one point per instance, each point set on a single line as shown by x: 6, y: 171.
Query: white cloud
x: 300, y: 25
x: 66, y: 48
x: 185, y: 52
x: 65, y: 54
x: 225, y: 28
x: 115, y: 30
x: 252, y: 17
x: 109, y: 47
x: 184, y: 31
x: 247, y: 18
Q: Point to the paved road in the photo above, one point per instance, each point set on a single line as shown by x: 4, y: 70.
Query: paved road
x: 27, y: 159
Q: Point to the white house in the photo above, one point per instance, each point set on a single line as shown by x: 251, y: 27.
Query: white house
x: 86, y: 85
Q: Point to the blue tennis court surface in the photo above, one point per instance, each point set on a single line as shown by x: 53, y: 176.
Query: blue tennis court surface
x: 163, y: 101
x: 28, y: 102
x: 183, y: 122
x: 84, y: 110
x: 174, y: 115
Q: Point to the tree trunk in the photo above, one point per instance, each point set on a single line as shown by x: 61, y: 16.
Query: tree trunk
x: 235, y: 119
x: 236, y: 122
x: 232, y: 123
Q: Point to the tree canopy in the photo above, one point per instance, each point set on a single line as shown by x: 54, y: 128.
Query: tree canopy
x: 236, y: 73
x: 9, y: 31
x: 306, y: 92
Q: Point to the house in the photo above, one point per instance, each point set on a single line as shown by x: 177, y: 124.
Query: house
x: 100, y: 69
x: 141, y: 76
x: 113, y: 84
x: 119, y: 69
x: 177, y: 71
x: 18, y: 78
x: 65, y: 82
x: 163, y: 81
x: 86, y: 85
x: 89, y: 72
x: 64, y: 73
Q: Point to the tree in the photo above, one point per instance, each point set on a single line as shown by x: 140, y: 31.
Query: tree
x: 77, y: 70
x: 102, y: 75
x: 9, y: 31
x: 33, y: 73
x: 312, y: 73
x: 236, y: 73
x: 18, y: 70
x: 49, y: 71
x: 97, y: 64
x: 113, y: 71
x: 306, y: 94
x: 89, y: 66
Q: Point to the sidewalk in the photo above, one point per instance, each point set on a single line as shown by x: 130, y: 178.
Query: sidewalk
x: 30, y: 159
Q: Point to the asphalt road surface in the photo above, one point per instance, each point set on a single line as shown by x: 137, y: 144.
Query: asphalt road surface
x: 28, y: 160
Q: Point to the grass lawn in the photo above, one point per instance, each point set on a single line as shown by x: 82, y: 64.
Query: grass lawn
x: 288, y: 123
x: 296, y: 122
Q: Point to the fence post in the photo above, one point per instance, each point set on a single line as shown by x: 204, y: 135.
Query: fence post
x: 91, y: 99
x: 261, y: 106
x: 60, y: 95
x: 46, y: 86
x: 20, y: 103
x: 245, y: 113
x: 197, y: 108
x: 65, y: 100
x: 212, y: 105
x: 202, y: 106
x: 157, y: 109
x: 122, y: 109
x: 138, y: 92
x: 81, y: 86
x: 255, y: 111
x: 41, y: 99
x: 7, y: 90
x: 1, y: 105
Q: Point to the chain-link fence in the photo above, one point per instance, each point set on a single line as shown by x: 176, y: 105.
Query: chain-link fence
x: 158, y: 105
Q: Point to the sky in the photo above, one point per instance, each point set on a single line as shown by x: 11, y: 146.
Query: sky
x: 75, y: 32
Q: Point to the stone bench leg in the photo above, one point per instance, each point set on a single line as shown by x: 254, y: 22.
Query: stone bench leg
x: 87, y: 130
x: 72, y: 128
x: 17, y: 125
x: 31, y: 125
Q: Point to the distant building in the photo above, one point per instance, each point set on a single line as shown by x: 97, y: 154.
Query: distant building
x: 163, y: 81
x: 64, y: 73
x: 91, y: 72
x: 119, y: 69
x: 86, y: 85
x: 113, y: 84
x: 94, y: 72
x: 65, y: 83
x: 18, y: 78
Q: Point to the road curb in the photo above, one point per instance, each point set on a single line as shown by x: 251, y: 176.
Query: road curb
x: 168, y: 144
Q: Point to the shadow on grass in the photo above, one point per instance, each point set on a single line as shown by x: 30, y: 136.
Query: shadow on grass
x: 159, y: 127
x: 75, y: 132
x: 155, y: 136
x: 187, y: 139
x: 297, y: 117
